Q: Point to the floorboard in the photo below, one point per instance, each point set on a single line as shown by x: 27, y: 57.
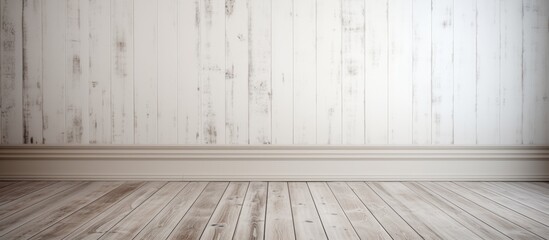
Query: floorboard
x: 274, y: 210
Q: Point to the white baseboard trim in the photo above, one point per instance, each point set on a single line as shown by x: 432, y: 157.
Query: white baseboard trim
x: 275, y: 163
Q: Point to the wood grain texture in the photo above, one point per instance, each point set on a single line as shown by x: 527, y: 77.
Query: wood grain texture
x: 223, y: 221
x: 212, y: 70
x: 421, y: 72
x: 251, y: 222
x: 465, y: 77
x: 188, y: 89
x: 328, y: 72
x: 535, y: 72
x: 39, y: 220
x: 488, y: 74
x: 279, y: 221
x: 145, y: 29
x: 469, y: 221
x: 510, y: 72
x: 165, y: 221
x: 54, y: 21
x: 395, y: 226
x: 307, y: 223
x: 259, y: 72
x: 305, y: 79
x: 20, y: 189
x: 90, y: 211
x: 132, y: 224
x: 168, y: 40
x: 122, y: 71
x: 493, y: 219
x: 237, y: 45
x: 77, y: 63
x: 32, y: 72
x: 399, y: 77
x: 442, y: 36
x: 376, y: 67
x: 352, y: 71
x: 192, y: 225
x: 98, y: 226
x: 11, y: 72
x: 282, y: 71
x: 100, y: 123
x: 335, y: 222
x: 364, y: 222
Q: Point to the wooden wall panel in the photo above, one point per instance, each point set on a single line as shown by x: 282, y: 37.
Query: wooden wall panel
x: 352, y: 71
x: 77, y: 62
x: 328, y: 71
x: 259, y: 71
x: 236, y: 69
x: 282, y: 72
x: 54, y: 20
x: 442, y: 35
x: 145, y: 39
x: 399, y: 77
x: 510, y: 72
x: 535, y: 72
x: 465, y: 72
x: 376, y: 71
x: 188, y: 97
x: 212, y: 70
x: 488, y: 74
x: 168, y: 43
x: 32, y: 72
x: 11, y: 72
x: 274, y: 72
x: 305, y: 84
x: 99, y: 24
x: 122, y: 71
x: 421, y: 72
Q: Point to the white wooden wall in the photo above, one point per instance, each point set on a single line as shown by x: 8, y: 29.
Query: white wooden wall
x: 274, y: 72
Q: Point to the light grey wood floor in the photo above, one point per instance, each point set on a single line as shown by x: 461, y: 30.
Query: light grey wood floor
x: 274, y: 210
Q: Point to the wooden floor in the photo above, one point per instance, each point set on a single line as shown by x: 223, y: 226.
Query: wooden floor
x: 274, y: 210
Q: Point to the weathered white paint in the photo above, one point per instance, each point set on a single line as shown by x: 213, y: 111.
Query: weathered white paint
x: 274, y: 72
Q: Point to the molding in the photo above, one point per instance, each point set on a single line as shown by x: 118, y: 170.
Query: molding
x: 274, y: 163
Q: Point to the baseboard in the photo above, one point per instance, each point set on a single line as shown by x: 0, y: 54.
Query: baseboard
x: 275, y: 163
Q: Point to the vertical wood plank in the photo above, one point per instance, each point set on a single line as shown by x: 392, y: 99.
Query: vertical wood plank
x: 511, y: 72
x: 535, y: 72
x: 146, y: 71
x: 168, y: 43
x: 282, y: 71
x: 11, y: 72
x: 305, y: 84
x: 375, y: 85
x: 352, y: 71
x: 54, y: 20
x: 442, y: 123
x: 100, y: 121
x: 251, y: 222
x: 488, y: 71
x: 259, y: 71
x: 421, y: 72
x: 212, y: 70
x: 236, y: 71
x: 399, y: 78
x: 188, y: 93
x: 465, y: 90
x: 122, y: 71
x: 77, y: 72
x: 328, y: 72
x: 278, y: 221
x: 32, y: 71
